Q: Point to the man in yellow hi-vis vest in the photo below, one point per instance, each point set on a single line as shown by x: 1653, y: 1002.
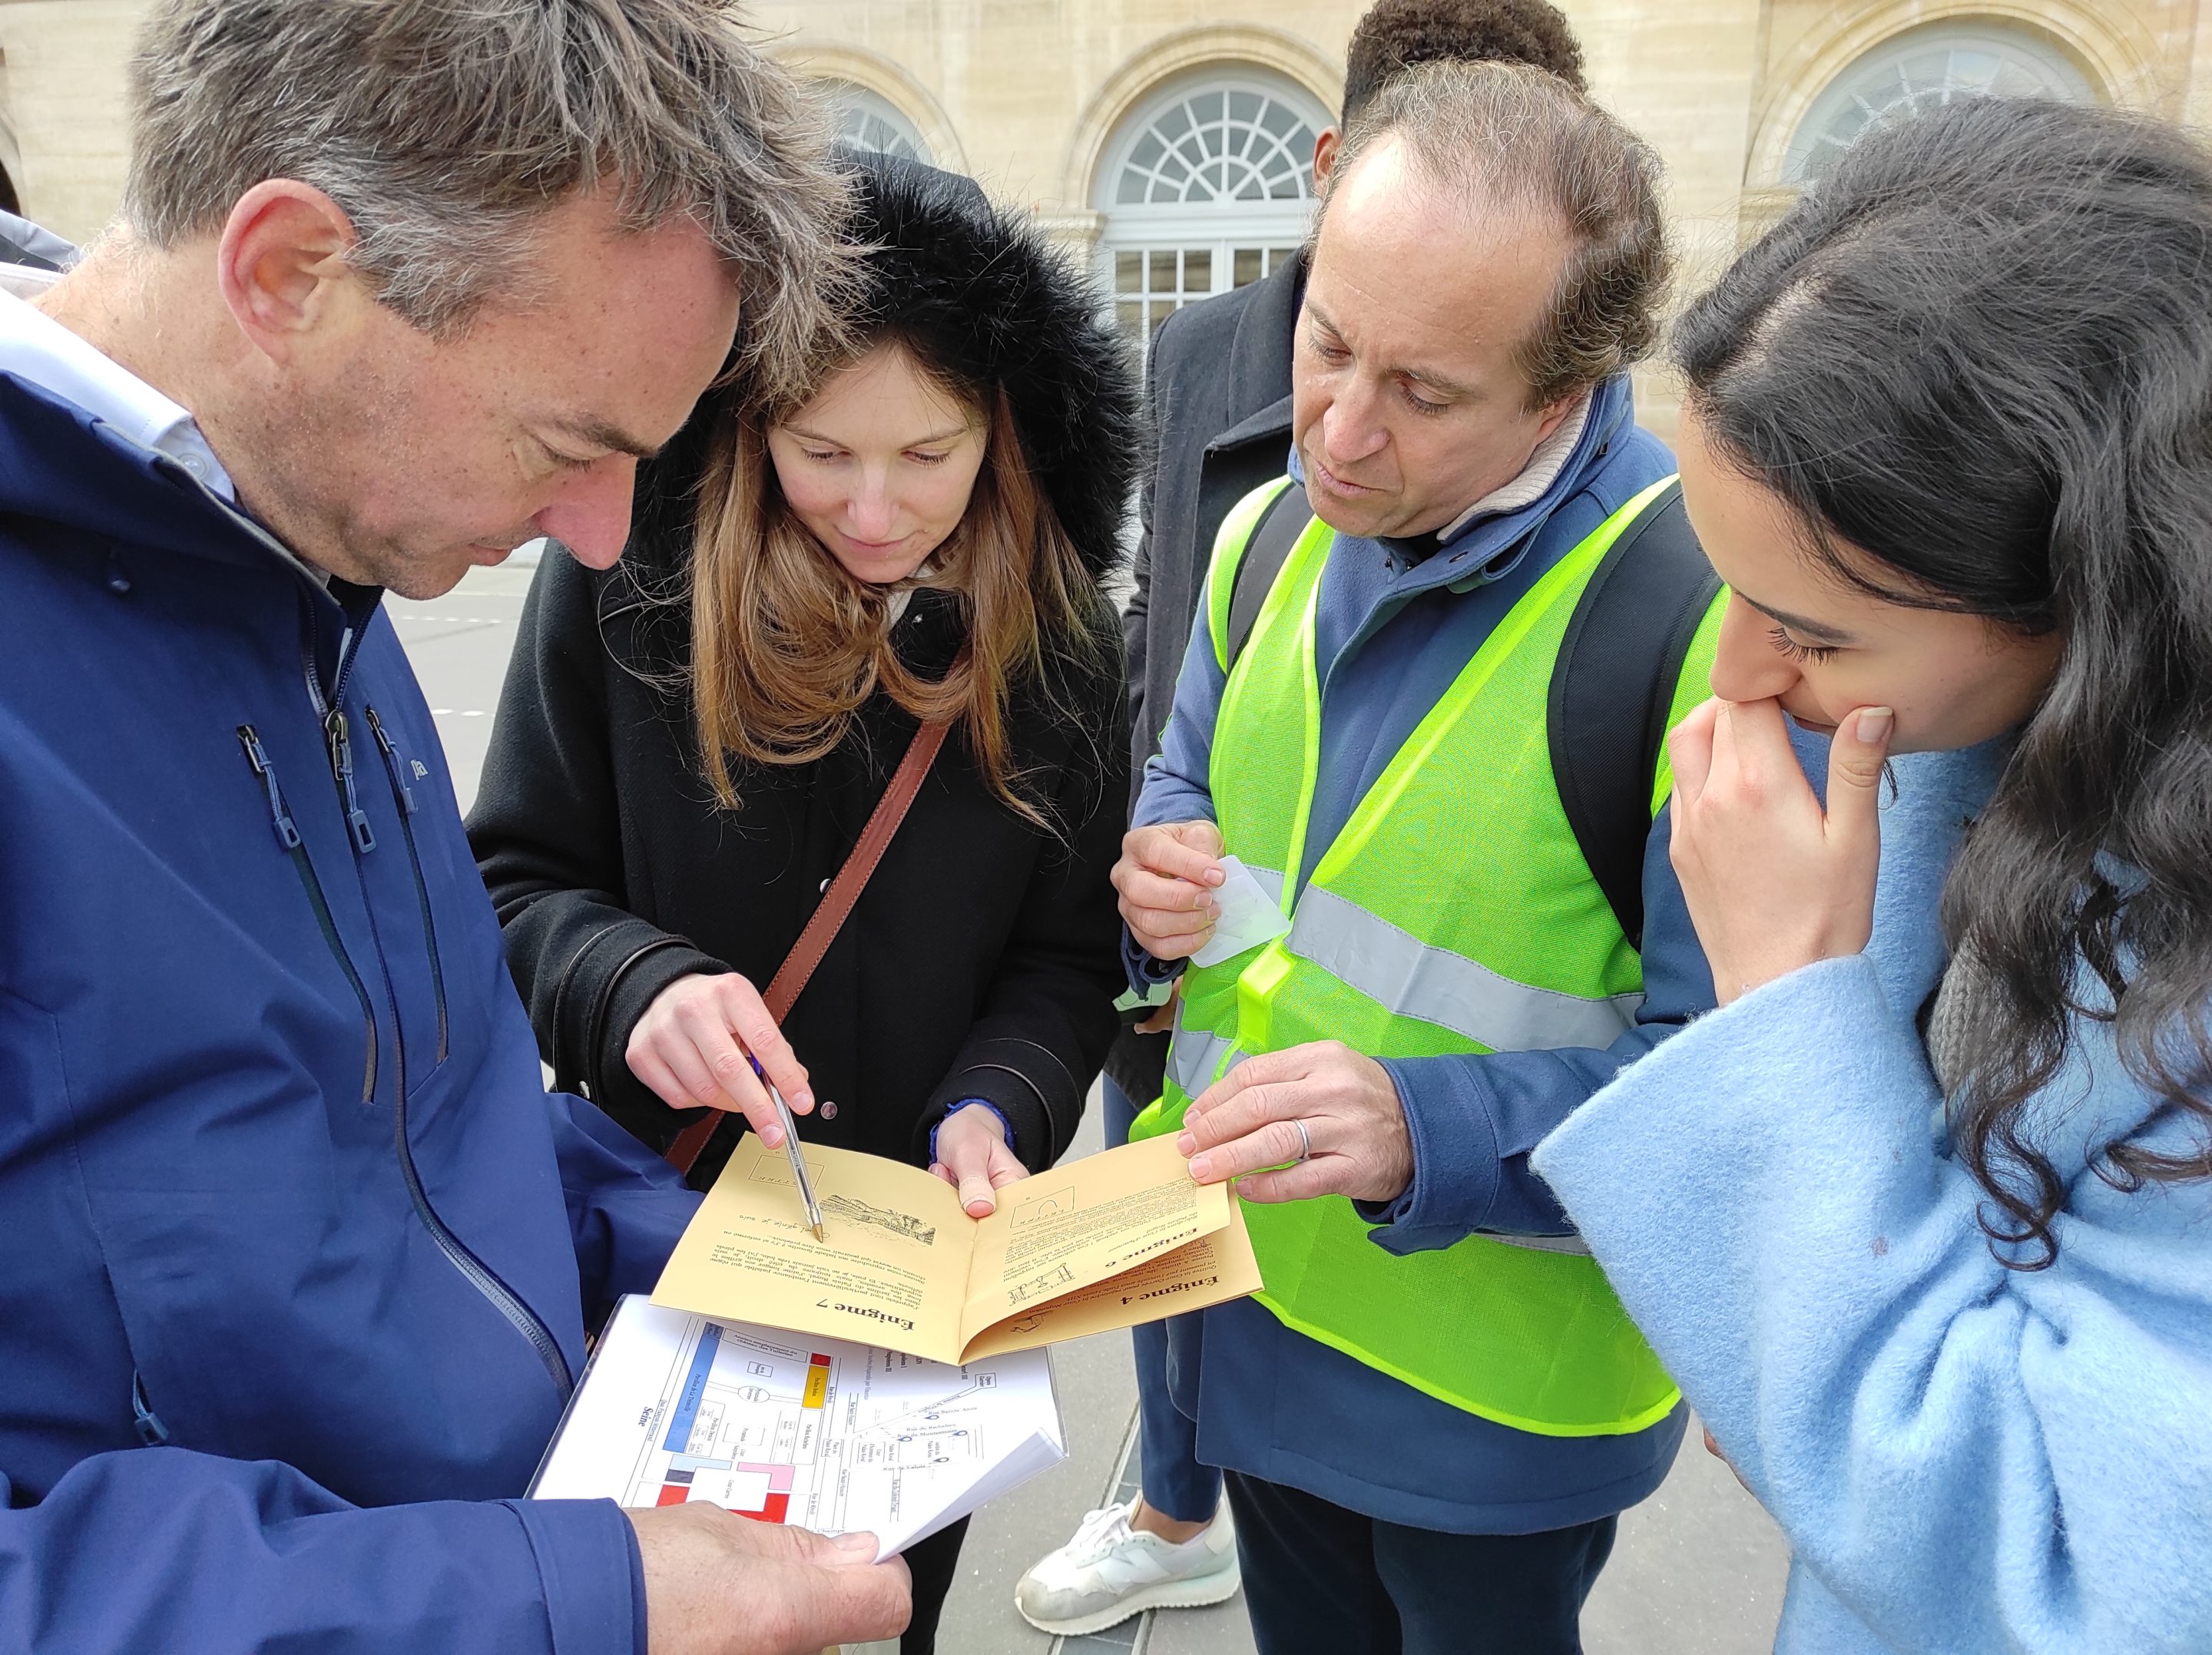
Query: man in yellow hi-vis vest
x: 1418, y: 725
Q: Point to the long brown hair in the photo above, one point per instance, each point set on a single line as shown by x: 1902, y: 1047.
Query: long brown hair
x: 787, y: 647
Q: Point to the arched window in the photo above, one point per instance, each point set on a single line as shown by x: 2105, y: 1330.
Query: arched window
x: 1208, y: 186
x: 868, y: 120
x: 1922, y: 68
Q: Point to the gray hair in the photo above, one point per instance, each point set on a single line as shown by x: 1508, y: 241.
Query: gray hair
x: 447, y: 130
x: 1508, y: 134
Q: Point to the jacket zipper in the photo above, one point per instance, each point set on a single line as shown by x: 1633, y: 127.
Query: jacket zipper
x: 501, y: 1297
x: 288, y: 835
x: 403, y: 796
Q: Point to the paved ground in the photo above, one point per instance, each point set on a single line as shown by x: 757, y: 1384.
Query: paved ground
x: 1698, y: 1569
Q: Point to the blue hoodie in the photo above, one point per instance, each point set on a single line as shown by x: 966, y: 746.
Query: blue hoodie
x: 299, y: 1254
x: 1392, y: 635
x: 1967, y: 1459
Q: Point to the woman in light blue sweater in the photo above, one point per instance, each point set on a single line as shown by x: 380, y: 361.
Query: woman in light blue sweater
x: 1921, y: 1219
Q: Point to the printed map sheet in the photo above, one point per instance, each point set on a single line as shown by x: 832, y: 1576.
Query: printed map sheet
x: 788, y: 1428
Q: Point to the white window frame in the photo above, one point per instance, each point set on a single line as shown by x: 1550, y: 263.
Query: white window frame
x: 1215, y: 229
x: 857, y: 104
x: 2017, y: 48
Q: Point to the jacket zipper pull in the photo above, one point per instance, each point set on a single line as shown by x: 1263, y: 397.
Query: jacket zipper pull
x: 392, y: 762
x: 288, y: 835
x: 151, y: 1431
x: 341, y: 741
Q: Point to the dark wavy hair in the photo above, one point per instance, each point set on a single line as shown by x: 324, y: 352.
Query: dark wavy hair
x: 1393, y: 36
x: 1976, y: 362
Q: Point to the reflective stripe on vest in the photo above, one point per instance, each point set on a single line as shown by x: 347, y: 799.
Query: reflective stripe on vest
x: 1396, y: 968
x: 1452, y: 913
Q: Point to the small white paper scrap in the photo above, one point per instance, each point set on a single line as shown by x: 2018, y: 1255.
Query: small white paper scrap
x: 1249, y: 916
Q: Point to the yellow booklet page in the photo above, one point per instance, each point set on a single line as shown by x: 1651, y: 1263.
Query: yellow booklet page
x: 1108, y: 1241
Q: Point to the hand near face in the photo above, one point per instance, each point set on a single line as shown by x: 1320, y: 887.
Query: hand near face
x: 1773, y: 881
x: 1242, y: 1125
x: 718, y: 1584
x: 1166, y: 877
x: 972, y: 1156
x: 690, y: 1049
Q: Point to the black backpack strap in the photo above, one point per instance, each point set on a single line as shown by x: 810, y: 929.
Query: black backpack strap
x: 1613, y: 687
x: 1265, y: 553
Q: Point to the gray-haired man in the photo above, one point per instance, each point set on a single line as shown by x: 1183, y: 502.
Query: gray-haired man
x: 300, y: 1255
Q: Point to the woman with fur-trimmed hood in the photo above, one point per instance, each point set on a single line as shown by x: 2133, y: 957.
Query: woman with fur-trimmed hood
x: 688, y: 745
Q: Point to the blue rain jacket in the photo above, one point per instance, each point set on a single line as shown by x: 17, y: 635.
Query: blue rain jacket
x: 299, y: 1254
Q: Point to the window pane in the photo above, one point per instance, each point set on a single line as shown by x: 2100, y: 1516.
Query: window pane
x: 1278, y: 257
x: 1163, y: 272
x: 1243, y: 105
x: 1198, y: 271
x: 1129, y: 271
x: 1245, y: 267
x: 1174, y: 123
x: 1130, y: 318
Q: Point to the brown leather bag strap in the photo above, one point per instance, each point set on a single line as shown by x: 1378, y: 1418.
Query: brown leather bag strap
x: 830, y: 916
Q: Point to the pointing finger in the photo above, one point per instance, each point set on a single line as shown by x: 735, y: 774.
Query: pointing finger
x: 748, y: 1014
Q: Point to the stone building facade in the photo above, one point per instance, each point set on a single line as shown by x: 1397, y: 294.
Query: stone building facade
x: 1170, y: 139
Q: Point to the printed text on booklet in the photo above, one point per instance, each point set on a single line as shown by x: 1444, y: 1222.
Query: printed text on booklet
x: 1106, y: 1242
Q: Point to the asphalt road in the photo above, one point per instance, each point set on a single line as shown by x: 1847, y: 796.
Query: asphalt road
x: 1698, y: 1569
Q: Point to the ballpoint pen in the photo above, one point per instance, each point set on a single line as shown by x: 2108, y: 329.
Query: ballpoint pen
x: 791, y: 1149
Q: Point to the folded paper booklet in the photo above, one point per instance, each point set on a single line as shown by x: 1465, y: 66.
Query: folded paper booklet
x: 820, y: 1434
x: 1106, y: 1242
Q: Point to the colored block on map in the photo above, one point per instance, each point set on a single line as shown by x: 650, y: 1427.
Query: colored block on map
x: 673, y: 1494
x: 818, y: 1385
x: 773, y: 1511
x: 778, y: 1476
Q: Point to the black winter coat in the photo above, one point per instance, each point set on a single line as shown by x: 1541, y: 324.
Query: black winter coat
x: 982, y: 959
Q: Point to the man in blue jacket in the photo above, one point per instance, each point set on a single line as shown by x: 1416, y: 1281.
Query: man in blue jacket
x: 1487, y: 265
x: 300, y: 1257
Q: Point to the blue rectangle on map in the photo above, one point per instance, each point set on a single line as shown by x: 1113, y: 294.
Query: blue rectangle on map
x: 695, y: 1386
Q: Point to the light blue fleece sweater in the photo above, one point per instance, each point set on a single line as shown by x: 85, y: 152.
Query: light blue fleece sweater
x: 1965, y: 1458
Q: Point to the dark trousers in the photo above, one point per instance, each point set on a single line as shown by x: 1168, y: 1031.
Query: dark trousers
x: 1174, y: 1483
x: 1321, y: 1580
x: 933, y: 1563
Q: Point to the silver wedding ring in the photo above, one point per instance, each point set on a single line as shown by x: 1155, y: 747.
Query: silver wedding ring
x: 1305, y: 1143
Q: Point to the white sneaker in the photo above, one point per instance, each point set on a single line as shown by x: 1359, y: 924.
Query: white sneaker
x: 1110, y: 1571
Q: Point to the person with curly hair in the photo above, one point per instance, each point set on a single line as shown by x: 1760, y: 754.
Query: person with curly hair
x: 1921, y: 1219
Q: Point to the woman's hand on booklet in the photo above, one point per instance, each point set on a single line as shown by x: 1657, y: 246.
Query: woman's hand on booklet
x: 1309, y: 1120
x: 973, y: 1158
x: 691, y: 1047
x: 716, y: 1584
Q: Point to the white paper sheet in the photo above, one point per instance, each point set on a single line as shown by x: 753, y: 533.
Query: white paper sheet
x: 1249, y: 916
x: 790, y: 1429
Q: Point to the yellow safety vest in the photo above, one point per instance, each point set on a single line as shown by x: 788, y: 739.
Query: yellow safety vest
x: 1454, y: 912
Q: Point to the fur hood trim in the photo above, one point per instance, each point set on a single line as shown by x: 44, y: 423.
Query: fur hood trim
x: 980, y: 290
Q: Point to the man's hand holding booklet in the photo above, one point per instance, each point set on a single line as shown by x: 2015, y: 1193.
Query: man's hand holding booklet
x: 704, y: 1395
